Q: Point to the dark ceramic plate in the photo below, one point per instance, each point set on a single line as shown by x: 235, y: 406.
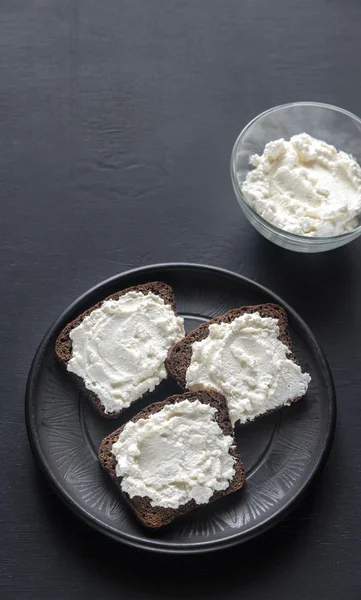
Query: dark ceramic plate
x: 282, y: 452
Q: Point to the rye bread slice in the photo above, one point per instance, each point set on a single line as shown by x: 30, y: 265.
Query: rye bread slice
x: 155, y: 517
x: 63, y: 345
x: 180, y: 355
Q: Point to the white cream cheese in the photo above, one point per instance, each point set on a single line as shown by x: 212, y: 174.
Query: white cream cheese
x: 305, y: 186
x: 175, y: 455
x: 119, y: 349
x: 248, y: 364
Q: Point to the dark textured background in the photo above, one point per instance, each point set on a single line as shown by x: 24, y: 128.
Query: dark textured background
x: 117, y: 120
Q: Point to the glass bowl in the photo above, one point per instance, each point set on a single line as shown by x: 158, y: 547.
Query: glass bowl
x: 333, y: 125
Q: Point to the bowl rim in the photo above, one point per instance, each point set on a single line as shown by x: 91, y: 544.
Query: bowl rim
x: 317, y: 240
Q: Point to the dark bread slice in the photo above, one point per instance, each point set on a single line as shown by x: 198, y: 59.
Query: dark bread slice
x: 180, y: 355
x: 155, y: 517
x: 63, y: 345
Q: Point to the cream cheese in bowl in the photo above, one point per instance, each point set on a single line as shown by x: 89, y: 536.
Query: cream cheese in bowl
x: 305, y: 186
x: 296, y: 174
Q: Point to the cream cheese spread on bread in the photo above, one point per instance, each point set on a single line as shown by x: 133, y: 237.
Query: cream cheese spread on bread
x: 175, y: 455
x: 119, y: 349
x: 246, y: 362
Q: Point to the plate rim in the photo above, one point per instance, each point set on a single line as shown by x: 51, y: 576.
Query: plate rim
x: 159, y: 545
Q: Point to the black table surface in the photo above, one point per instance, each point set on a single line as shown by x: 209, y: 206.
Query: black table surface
x: 117, y: 119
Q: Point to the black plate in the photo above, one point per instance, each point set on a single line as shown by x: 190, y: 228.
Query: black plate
x: 282, y: 452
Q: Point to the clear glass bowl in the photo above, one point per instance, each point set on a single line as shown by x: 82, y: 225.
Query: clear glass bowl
x: 334, y: 125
